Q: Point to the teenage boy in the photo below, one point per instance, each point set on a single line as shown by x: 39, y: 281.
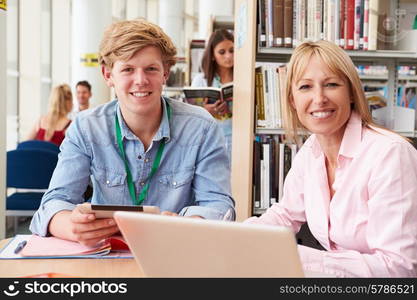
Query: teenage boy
x: 141, y: 149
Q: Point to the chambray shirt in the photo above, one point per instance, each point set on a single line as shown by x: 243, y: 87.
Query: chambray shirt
x: 193, y: 177
x: 369, y: 226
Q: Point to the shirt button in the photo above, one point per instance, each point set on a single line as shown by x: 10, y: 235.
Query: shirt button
x: 146, y: 160
x: 108, y: 182
x: 142, y: 183
x: 174, y: 183
x: 139, y: 157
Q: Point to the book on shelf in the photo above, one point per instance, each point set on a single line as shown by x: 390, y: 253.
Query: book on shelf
x: 373, y: 24
x: 366, y: 25
x: 266, y: 175
x: 350, y: 24
x: 260, y: 19
x: 256, y: 172
x: 340, y: 39
x: 407, y: 95
x: 318, y: 20
x: 269, y: 11
x: 35, y: 246
x: 282, y: 79
x: 375, y: 100
x: 288, y: 23
x: 273, y: 192
x: 259, y: 98
x: 357, y: 25
x: 278, y: 24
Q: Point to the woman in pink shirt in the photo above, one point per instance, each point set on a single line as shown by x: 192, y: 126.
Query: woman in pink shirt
x: 353, y: 182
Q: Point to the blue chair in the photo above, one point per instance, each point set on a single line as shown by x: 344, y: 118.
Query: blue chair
x: 29, y: 172
x: 36, y: 144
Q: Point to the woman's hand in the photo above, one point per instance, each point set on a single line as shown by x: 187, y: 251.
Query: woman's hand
x: 81, y: 227
x: 218, y: 108
x: 222, y: 108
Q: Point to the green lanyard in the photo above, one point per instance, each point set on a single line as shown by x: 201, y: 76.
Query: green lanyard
x: 155, y: 165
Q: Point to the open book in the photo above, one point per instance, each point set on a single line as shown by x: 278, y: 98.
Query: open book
x: 52, y: 247
x: 195, y: 95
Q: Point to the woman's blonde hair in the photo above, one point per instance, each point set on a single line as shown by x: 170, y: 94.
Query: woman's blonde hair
x: 340, y: 64
x: 121, y: 40
x: 58, y: 107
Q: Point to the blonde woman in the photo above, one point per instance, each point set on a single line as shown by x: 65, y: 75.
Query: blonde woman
x: 353, y: 182
x: 52, y: 126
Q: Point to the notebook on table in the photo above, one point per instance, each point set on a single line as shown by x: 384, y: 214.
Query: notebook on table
x: 167, y: 246
x: 51, y: 247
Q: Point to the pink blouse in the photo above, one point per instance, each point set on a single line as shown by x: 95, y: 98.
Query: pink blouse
x: 369, y: 227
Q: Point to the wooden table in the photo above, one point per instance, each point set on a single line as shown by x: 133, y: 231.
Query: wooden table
x: 97, y: 267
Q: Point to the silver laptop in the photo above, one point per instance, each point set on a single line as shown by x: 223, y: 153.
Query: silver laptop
x: 166, y: 246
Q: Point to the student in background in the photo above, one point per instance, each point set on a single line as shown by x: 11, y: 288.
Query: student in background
x: 353, y: 182
x: 52, y: 126
x: 121, y: 143
x: 83, y: 90
x: 217, y: 65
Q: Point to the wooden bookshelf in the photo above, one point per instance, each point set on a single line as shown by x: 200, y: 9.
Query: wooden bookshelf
x: 244, y: 107
x: 192, y: 65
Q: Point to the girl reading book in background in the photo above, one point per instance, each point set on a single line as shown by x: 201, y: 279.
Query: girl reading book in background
x: 352, y: 181
x: 217, y: 65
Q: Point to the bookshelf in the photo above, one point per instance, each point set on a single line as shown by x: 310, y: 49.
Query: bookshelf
x: 247, y: 53
x: 221, y: 22
x: 194, y: 55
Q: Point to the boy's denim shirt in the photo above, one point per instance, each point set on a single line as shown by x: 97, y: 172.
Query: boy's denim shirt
x: 193, y: 177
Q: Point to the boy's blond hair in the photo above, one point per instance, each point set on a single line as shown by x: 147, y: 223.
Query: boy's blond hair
x: 121, y: 40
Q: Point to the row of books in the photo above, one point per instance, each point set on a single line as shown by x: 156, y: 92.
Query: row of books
x: 406, y: 72
x: 269, y: 78
x: 271, y: 163
x: 372, y: 70
x: 352, y: 24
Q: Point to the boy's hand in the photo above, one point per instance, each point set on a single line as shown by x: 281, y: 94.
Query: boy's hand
x: 81, y: 227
